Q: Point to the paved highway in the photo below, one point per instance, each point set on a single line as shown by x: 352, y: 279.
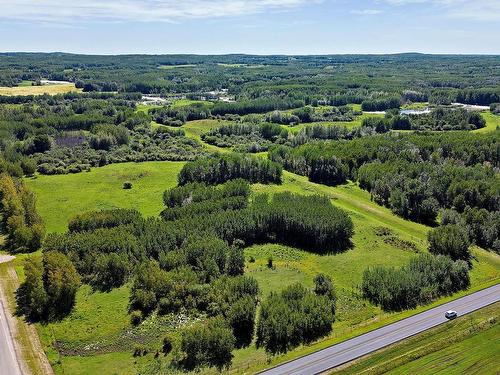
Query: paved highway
x: 9, y: 364
x: 349, y: 350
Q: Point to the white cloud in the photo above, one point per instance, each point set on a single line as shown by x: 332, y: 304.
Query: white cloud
x: 137, y: 10
x: 480, y: 10
x: 366, y: 12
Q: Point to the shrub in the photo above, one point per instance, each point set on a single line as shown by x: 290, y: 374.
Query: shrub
x: 135, y: 317
x: 450, y: 240
x: 293, y: 317
x: 28, y: 166
x: 127, y: 185
x: 323, y: 286
x: 207, y: 344
x: 167, y: 344
x: 140, y: 350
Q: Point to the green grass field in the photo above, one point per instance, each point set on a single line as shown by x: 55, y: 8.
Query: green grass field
x: 418, y: 105
x: 102, y: 188
x: 186, y: 102
x: 468, y: 344
x: 63, y: 196
x: 492, y: 122
x: 194, y: 130
x: 99, y: 321
x: 144, y: 108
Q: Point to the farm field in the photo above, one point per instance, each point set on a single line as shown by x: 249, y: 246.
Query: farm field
x: 84, y: 331
x: 465, y: 345
x: 38, y: 90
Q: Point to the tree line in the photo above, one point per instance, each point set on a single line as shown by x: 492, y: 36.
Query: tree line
x: 223, y: 167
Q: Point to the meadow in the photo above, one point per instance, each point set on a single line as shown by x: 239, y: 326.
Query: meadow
x: 63, y: 196
x: 95, y: 333
x: 492, y: 122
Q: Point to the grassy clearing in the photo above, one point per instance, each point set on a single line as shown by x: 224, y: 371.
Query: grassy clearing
x: 194, y: 130
x: 38, y: 90
x: 144, y: 108
x: 61, y: 197
x: 422, y: 105
x: 25, y: 83
x: 187, y: 102
x: 492, y: 122
x: 170, y: 67
x: 347, y: 124
x: 468, y: 344
x: 103, y: 364
x: 100, y: 317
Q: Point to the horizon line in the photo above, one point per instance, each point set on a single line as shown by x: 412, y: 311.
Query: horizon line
x: 254, y: 54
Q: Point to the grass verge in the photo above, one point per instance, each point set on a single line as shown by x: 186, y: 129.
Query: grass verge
x: 468, y: 344
x: 25, y: 335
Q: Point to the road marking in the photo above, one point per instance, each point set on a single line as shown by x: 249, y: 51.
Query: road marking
x: 471, y: 303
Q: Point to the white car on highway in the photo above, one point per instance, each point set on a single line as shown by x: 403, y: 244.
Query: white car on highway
x: 450, y: 314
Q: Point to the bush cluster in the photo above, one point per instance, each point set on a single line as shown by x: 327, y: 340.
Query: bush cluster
x: 72, y: 133
x: 423, y: 279
x: 293, y: 317
x: 49, y: 290
x: 20, y: 220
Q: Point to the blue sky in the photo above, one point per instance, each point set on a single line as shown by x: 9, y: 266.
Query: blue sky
x: 250, y: 26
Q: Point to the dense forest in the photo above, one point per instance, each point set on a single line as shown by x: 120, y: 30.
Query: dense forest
x: 337, y: 80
